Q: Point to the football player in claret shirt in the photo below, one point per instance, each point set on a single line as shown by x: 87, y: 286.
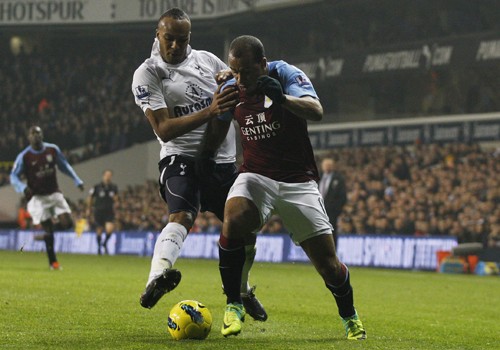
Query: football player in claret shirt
x: 278, y: 176
x: 37, y: 163
x: 176, y: 88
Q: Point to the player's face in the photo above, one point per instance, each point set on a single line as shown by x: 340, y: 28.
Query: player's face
x: 35, y: 137
x: 246, y: 71
x: 106, y: 176
x: 174, y: 36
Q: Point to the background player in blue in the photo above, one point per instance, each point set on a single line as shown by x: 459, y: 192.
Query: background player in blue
x: 177, y: 91
x: 37, y: 163
x: 278, y: 176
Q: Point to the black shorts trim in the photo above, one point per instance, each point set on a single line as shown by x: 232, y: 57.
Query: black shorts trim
x: 181, y: 189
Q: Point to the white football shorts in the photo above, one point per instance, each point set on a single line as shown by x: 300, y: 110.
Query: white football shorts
x: 300, y: 205
x: 43, y: 208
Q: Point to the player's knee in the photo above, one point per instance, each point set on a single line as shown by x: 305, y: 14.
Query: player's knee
x: 183, y: 218
x: 65, y: 222
x: 241, y: 217
x: 240, y: 222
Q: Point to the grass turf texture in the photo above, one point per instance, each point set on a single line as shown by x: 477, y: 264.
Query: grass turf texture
x: 94, y: 304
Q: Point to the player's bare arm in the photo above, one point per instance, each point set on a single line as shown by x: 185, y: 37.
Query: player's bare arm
x: 214, y: 136
x: 168, y: 127
x: 90, y: 203
x: 306, y: 107
x: 212, y: 139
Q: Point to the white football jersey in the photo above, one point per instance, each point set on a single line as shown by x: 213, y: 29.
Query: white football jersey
x: 183, y: 88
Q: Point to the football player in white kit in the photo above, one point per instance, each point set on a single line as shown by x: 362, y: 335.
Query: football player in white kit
x: 177, y: 90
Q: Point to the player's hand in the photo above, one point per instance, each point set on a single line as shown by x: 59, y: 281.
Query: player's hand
x: 223, y: 76
x: 271, y: 88
x: 204, y: 166
x: 224, y: 100
x: 80, y: 186
x: 28, y: 193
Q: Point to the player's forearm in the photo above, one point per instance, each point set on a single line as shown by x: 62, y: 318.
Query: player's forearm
x: 304, y: 107
x: 66, y: 168
x: 16, y: 182
x: 89, y: 204
x: 168, y: 129
x: 15, y: 175
x: 214, y: 136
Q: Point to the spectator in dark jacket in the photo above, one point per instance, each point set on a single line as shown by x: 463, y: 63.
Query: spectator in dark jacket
x: 333, y: 189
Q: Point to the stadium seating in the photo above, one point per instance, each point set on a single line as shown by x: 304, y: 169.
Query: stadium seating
x: 427, y: 190
x: 83, y: 102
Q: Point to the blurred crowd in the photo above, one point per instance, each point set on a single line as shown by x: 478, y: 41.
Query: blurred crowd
x: 451, y: 189
x: 83, y: 103
x: 77, y: 88
x: 425, y: 190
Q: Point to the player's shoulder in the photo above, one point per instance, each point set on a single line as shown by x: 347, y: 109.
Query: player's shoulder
x: 205, y: 54
x: 207, y: 59
x: 51, y: 146
x: 23, y: 153
x: 25, y: 150
x: 284, y: 70
x: 291, y: 75
x: 280, y: 67
x: 230, y: 82
x: 148, y: 67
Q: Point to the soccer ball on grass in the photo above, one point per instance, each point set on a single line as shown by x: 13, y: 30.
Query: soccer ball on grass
x: 189, y: 319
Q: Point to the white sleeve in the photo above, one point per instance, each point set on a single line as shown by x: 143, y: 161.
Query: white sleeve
x: 220, y: 65
x: 216, y: 63
x: 147, y: 89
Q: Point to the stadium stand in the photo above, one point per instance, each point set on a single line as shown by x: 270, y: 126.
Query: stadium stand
x: 81, y: 101
x: 75, y: 83
x: 423, y: 190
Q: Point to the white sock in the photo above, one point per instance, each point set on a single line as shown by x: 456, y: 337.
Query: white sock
x: 250, y: 251
x: 167, y: 248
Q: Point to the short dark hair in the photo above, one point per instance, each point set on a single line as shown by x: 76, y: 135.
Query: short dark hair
x: 175, y: 13
x: 35, y: 128
x: 247, y: 43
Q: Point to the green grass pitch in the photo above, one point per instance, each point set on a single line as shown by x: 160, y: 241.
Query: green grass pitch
x: 94, y: 304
